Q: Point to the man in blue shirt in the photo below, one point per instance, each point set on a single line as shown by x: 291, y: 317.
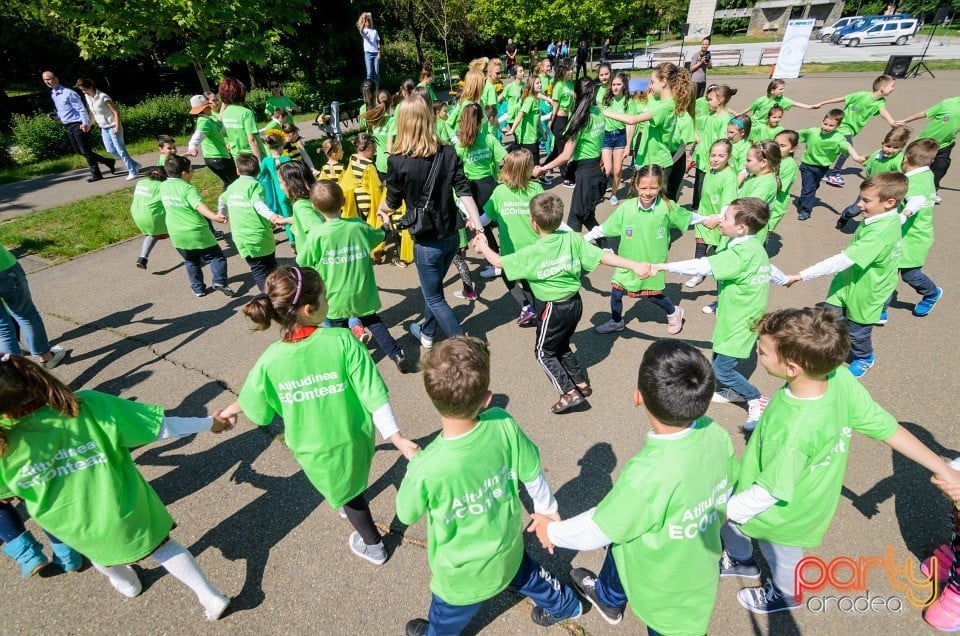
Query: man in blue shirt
x: 73, y: 114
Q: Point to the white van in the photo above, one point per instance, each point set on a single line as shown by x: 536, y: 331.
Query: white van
x: 889, y: 32
x: 827, y: 31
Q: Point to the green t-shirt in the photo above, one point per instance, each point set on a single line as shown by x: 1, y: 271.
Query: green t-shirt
x: 760, y: 109
x: 324, y: 387
x: 563, y: 95
x: 489, y: 95
x: 340, y: 252
x: 77, y: 479
x: 656, y: 147
x: 511, y: 94
x: 213, y: 145
x: 251, y: 233
x: 433, y: 96
x: 526, y: 131
x: 482, y: 159
x: 618, y: 105
x: 858, y: 108
x: 822, y: 150
x: 763, y: 187
x: 742, y: 271
x: 664, y: 515
x: 877, y: 163
x: 7, y: 259
x: 468, y: 488
x: 944, y: 122
x: 305, y: 219
x: 917, y: 231
x: 382, y: 133
x: 511, y: 210
x: 719, y: 189
x: 601, y: 94
x: 760, y: 131
x: 701, y: 109
x: 683, y: 133
x: 714, y: 129
x: 546, y: 84
x: 282, y: 102
x: 644, y: 236
x: 444, y: 131
x: 799, y: 454
x: 456, y: 111
x: 788, y: 176
x: 738, y: 157
x: 147, y: 208
x: 553, y: 265
x: 239, y: 122
x: 863, y: 288
x: 188, y: 228
x: 589, y: 141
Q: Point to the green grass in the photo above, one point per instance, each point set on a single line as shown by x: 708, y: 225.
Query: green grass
x: 811, y: 68
x: 70, y: 230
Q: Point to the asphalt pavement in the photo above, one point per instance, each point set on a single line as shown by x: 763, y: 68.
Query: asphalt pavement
x: 264, y: 536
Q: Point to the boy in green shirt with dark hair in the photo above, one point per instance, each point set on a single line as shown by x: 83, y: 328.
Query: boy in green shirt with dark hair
x: 888, y: 159
x: 793, y: 467
x: 822, y: 147
x: 943, y: 128
x: 466, y: 483
x: 663, y: 516
x: 553, y: 266
x: 865, y: 273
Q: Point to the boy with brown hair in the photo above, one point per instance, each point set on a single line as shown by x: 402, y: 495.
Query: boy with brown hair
x: 822, y: 146
x: 553, y: 265
x: 792, y: 470
x: 466, y: 483
x: 865, y: 273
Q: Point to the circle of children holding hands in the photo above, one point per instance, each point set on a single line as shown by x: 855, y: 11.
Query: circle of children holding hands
x: 662, y: 559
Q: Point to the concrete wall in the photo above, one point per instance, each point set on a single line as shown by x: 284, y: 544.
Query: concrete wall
x: 700, y: 17
x: 773, y: 20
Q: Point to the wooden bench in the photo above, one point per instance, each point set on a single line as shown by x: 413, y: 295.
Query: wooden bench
x: 727, y: 57
x: 773, y: 52
x: 657, y: 57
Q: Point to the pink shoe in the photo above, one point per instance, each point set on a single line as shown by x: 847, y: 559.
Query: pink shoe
x: 944, y: 614
x: 675, y: 321
x: 944, y: 556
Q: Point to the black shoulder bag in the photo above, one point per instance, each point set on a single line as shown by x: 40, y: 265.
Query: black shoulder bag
x: 422, y: 218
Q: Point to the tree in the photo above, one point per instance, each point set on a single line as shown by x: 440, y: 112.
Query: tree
x: 208, y: 35
x: 536, y: 20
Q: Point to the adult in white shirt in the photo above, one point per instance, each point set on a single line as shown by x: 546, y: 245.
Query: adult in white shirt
x: 371, y: 46
x: 108, y: 118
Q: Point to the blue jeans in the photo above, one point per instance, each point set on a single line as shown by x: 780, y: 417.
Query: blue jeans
x: 609, y: 589
x: 861, y: 343
x: 373, y: 66
x: 725, y: 368
x: 113, y: 142
x: 916, y: 278
x: 194, y: 260
x: 810, y: 177
x: 433, y: 259
x: 16, y: 295
x: 531, y: 580
x: 841, y: 158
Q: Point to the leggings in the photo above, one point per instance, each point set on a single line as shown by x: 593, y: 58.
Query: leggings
x: 460, y: 262
x: 589, y: 191
x: 358, y: 514
x: 520, y: 290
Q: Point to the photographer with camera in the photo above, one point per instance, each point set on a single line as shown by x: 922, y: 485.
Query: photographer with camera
x: 699, y: 64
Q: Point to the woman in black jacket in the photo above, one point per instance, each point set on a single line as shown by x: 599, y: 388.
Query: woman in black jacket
x: 414, y: 149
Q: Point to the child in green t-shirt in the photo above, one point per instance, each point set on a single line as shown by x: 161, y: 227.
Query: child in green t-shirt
x: 643, y: 226
x: 466, y: 483
x: 743, y: 273
x: 943, y: 127
x: 793, y: 467
x: 167, y: 146
x: 787, y: 140
x: 769, y: 128
x: 664, y: 513
x: 93, y: 498
x: 887, y: 159
x: 340, y: 251
x: 775, y: 96
x: 553, y: 266
x: 738, y: 132
x: 858, y: 109
x: 719, y: 189
x: 147, y: 212
x: 188, y: 223
x: 822, y: 146
x: 251, y: 219
x: 865, y: 273
x: 314, y: 376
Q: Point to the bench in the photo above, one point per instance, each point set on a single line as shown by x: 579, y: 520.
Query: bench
x: 773, y: 52
x: 726, y: 57
x: 658, y: 57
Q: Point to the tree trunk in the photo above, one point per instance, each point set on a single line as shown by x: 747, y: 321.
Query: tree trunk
x: 252, y: 72
x: 418, y: 41
x: 198, y: 68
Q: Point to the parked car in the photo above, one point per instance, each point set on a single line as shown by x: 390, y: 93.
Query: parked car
x: 864, y: 23
x: 827, y: 31
x: 886, y: 32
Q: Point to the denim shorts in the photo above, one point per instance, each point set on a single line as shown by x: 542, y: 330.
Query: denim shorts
x: 615, y: 139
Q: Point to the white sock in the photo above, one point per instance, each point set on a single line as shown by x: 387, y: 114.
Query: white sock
x: 122, y: 577
x: 180, y: 563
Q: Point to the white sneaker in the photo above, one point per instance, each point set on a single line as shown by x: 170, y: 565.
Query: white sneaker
x: 709, y: 309
x: 937, y: 199
x: 425, y: 342
x: 58, y: 354
x: 726, y: 396
x: 614, y: 200
x: 375, y: 554
x: 129, y: 585
x: 131, y: 176
x: 610, y: 326
x: 693, y: 281
x: 216, y: 609
x: 490, y: 272
x: 755, y: 408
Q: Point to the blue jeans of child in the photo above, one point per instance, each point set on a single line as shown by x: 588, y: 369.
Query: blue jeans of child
x: 921, y: 283
x: 16, y: 295
x: 433, y: 259
x: 861, y: 343
x: 725, y: 368
x: 11, y: 525
x: 531, y: 580
x: 194, y: 260
x: 113, y: 142
x: 810, y: 177
x: 372, y: 61
x: 260, y: 267
x: 609, y: 589
x: 841, y: 158
x: 379, y: 330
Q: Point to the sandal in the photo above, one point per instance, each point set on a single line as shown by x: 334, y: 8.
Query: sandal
x: 585, y: 389
x: 567, y: 401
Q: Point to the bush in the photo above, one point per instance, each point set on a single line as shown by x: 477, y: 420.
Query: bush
x: 40, y: 137
x: 6, y: 159
x: 163, y: 115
